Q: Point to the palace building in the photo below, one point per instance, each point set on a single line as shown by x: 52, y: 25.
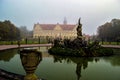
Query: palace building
x: 55, y: 30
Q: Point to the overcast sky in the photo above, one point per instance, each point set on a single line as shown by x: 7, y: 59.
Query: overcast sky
x: 93, y: 13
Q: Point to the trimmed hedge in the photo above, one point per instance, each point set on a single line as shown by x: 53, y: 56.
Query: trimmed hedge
x: 81, y: 52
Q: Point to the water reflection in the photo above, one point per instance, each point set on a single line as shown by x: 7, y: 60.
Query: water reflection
x: 80, y: 62
x: 82, y: 70
x: 7, y: 55
x: 30, y: 60
x: 114, y: 60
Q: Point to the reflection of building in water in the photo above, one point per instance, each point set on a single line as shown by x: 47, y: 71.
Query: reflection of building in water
x: 30, y: 60
x: 44, y: 51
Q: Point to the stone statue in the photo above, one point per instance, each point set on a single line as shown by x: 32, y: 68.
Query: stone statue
x: 79, y: 30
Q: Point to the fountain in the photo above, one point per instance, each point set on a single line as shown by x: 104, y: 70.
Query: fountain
x: 78, y: 47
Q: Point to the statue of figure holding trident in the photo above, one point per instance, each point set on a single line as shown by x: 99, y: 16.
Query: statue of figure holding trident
x: 79, y: 30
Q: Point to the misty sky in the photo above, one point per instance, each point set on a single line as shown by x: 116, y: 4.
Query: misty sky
x: 93, y: 13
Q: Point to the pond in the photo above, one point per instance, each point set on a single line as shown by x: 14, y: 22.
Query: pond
x: 65, y: 68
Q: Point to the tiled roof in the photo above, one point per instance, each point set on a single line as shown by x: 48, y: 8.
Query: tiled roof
x: 68, y: 27
x: 52, y: 26
x: 47, y: 26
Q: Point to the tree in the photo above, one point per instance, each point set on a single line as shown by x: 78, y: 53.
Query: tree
x: 109, y: 31
x: 8, y: 31
x: 25, y: 33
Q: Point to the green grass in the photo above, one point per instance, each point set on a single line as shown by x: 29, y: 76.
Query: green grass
x: 23, y: 42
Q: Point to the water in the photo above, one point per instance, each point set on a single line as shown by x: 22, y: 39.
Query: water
x: 65, y: 68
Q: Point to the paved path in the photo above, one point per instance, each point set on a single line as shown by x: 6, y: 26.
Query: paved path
x: 4, y: 47
x: 112, y: 46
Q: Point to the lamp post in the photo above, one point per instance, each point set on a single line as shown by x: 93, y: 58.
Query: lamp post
x: 39, y: 40
x: 0, y: 39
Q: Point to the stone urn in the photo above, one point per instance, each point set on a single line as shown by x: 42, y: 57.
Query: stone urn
x: 30, y: 59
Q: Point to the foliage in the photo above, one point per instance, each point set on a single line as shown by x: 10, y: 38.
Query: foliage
x: 9, y: 31
x: 25, y: 33
x: 104, y: 51
x: 110, y: 31
x: 56, y: 42
x: 68, y: 43
x: 81, y: 52
x: 67, y: 49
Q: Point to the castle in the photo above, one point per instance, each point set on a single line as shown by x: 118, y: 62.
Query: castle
x: 55, y: 30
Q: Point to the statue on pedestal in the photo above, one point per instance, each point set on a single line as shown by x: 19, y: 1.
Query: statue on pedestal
x: 79, y: 30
